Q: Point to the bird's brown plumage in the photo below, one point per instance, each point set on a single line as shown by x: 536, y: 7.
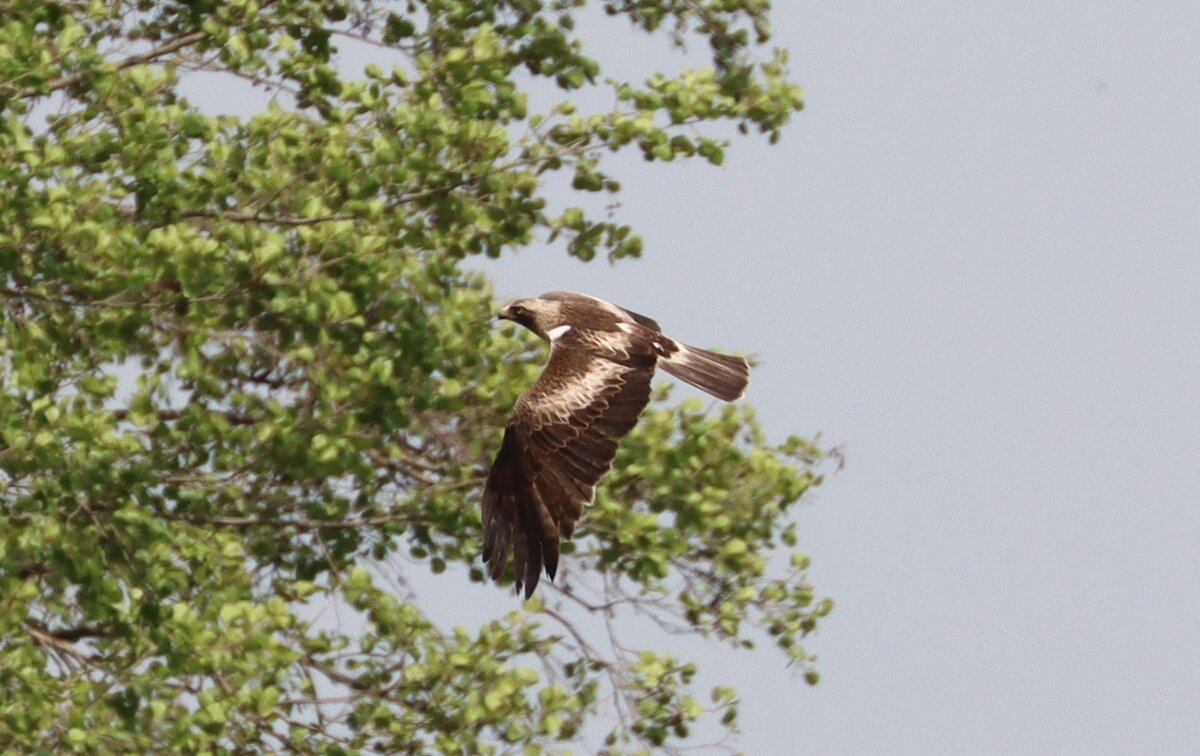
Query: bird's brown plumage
x: 562, y: 436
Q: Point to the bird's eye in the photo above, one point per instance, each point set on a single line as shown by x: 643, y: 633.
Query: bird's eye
x: 517, y: 310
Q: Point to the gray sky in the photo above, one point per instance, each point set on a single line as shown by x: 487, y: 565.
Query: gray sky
x: 973, y: 260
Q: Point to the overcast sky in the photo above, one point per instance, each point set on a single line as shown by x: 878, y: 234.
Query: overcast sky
x: 974, y: 259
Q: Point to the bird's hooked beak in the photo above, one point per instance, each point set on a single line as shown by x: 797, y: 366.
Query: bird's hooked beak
x: 505, y: 312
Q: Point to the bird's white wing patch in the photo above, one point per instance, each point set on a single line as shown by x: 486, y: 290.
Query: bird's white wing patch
x: 580, y: 390
x: 612, y: 342
x: 557, y: 332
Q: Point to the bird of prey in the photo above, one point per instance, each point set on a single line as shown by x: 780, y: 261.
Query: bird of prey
x: 564, y: 429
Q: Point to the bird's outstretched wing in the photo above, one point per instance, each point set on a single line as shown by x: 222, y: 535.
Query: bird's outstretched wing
x: 561, y: 439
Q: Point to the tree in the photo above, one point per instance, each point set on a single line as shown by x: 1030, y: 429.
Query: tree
x: 242, y: 366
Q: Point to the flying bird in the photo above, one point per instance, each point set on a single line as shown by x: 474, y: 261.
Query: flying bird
x: 564, y: 429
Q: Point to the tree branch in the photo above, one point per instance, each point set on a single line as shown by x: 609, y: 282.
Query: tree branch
x: 277, y: 220
x: 71, y: 634
x: 166, y: 415
x: 174, y: 45
x: 50, y: 640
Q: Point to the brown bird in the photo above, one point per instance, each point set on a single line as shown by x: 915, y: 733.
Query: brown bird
x: 564, y: 429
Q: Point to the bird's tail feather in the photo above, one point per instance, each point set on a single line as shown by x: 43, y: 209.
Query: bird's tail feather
x: 722, y: 375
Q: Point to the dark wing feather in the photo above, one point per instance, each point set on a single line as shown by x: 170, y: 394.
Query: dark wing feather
x: 643, y: 320
x: 560, y: 441
x: 503, y: 490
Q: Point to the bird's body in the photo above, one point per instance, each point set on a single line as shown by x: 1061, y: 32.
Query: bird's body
x: 564, y: 429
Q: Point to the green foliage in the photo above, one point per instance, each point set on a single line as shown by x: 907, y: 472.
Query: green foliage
x: 240, y: 365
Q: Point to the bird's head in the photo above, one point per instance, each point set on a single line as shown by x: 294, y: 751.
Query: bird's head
x: 542, y: 316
